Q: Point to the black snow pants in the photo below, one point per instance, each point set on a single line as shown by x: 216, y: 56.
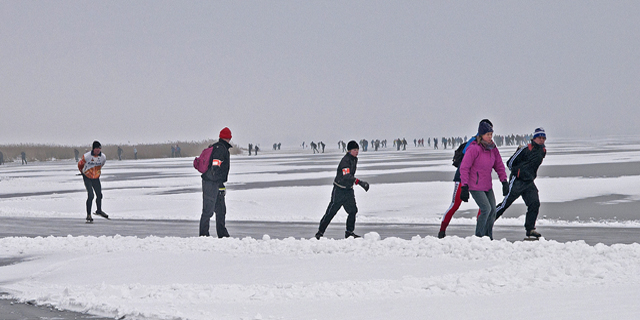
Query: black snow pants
x: 213, y: 201
x: 529, y: 193
x: 93, y: 185
x: 340, y: 198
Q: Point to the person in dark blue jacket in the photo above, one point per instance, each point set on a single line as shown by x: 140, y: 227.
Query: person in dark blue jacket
x: 213, y: 189
x: 342, y: 195
x: 524, y: 164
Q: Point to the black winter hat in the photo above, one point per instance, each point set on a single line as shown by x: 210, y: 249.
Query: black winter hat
x: 484, y: 128
x: 352, y: 145
x: 486, y: 121
x: 96, y: 144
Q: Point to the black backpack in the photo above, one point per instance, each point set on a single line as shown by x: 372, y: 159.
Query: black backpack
x: 458, y: 154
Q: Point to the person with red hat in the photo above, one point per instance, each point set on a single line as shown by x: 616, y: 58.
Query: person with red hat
x: 213, y: 189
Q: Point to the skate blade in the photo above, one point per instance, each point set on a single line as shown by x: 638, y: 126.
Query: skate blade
x: 99, y: 215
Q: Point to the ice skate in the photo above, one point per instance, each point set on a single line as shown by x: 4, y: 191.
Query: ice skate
x: 348, y: 234
x: 532, y: 235
x: 102, y: 214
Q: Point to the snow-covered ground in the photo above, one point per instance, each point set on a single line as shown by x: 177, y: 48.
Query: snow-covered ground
x: 369, y: 278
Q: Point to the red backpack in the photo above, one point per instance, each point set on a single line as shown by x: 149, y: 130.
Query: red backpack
x: 202, y: 163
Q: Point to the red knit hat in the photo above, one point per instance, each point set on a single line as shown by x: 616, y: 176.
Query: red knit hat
x: 225, y: 133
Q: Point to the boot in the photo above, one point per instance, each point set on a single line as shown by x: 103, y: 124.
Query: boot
x: 102, y: 214
x: 319, y: 235
x: 89, y: 219
x: 533, y: 233
x: 441, y: 235
x: 348, y: 234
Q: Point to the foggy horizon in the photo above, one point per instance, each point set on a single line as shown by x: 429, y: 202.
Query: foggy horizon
x: 160, y: 71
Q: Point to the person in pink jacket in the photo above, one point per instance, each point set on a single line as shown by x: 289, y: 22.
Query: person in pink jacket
x: 475, y: 176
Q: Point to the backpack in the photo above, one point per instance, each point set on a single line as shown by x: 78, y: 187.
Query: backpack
x: 202, y: 162
x: 458, y: 154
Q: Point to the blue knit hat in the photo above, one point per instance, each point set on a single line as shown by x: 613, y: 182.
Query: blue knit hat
x: 484, y: 128
x: 539, y: 132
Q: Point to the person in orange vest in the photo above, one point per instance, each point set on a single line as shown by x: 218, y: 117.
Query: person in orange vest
x: 90, y: 167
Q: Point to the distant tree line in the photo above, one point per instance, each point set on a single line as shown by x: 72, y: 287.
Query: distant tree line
x: 48, y: 152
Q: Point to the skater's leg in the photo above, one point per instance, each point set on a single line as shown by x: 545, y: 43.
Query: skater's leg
x: 97, y: 187
x: 89, y: 186
x: 515, y: 191
x: 531, y: 199
x: 492, y: 214
x: 351, y: 209
x: 483, y: 203
x: 221, y: 212
x: 209, y: 195
x: 455, y: 204
x: 332, y: 209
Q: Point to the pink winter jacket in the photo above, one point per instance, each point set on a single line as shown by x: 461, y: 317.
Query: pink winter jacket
x: 475, y: 169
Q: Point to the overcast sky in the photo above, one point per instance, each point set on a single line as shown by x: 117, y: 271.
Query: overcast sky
x: 292, y: 71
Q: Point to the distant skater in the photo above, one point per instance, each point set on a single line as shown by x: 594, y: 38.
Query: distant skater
x: 250, y: 148
x: 1, y: 158
x: 76, y: 154
x: 135, y: 153
x: 481, y: 158
x: 119, y: 153
x: 255, y: 150
x: 524, y: 164
x: 24, y: 157
x: 90, y: 167
x: 213, y: 189
x: 343, y: 195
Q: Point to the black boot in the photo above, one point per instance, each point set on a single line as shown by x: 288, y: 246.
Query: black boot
x: 102, y: 214
x: 441, y: 235
x: 89, y: 219
x: 533, y: 233
x: 348, y: 234
x: 319, y: 235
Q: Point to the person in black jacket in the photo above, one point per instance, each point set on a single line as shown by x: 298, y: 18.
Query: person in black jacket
x: 342, y: 195
x: 524, y: 164
x: 213, y: 189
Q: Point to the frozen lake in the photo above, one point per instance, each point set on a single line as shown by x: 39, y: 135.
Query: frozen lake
x: 147, y: 264
x: 580, y: 183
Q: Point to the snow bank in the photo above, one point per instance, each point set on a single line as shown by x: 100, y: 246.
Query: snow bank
x: 207, y: 278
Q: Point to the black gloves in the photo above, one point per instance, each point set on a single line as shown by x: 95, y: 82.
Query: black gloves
x: 505, y: 188
x: 364, y: 185
x: 464, y: 194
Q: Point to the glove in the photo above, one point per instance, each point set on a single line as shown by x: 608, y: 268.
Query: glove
x: 364, y: 185
x: 222, y: 191
x: 505, y: 188
x: 464, y: 194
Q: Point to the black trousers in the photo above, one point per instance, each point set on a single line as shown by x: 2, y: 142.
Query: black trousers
x: 529, y: 193
x: 213, y: 202
x: 340, y: 198
x: 93, y: 185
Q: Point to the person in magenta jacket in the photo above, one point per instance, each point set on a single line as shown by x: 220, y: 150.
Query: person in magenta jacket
x: 475, y: 176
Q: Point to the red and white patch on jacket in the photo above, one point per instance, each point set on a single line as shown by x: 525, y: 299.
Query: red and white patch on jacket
x: 345, y: 171
x: 216, y: 162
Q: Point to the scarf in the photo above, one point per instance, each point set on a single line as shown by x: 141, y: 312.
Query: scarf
x: 487, y: 145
